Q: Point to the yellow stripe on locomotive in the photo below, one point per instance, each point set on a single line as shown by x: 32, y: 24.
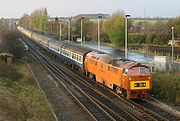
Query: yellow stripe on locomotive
x: 138, y: 85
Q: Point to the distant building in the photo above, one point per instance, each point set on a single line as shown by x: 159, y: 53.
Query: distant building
x: 92, y: 16
x: 176, y: 43
x: 51, y: 19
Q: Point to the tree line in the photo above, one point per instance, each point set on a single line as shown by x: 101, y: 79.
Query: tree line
x: 158, y: 32
x: 112, y: 30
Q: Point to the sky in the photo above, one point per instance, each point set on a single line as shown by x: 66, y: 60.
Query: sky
x: 65, y: 8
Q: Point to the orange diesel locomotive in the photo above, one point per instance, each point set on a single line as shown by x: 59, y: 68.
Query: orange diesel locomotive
x: 129, y: 78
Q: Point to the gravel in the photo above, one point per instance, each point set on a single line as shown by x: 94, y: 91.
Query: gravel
x: 63, y: 104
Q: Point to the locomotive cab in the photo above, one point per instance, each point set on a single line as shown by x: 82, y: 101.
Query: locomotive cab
x: 138, y: 80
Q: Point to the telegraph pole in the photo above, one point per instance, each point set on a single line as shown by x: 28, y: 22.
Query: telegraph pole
x: 99, y: 32
x: 172, y: 43
x: 60, y: 30
x: 126, y: 36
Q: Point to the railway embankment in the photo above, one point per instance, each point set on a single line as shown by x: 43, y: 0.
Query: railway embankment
x: 166, y: 87
x: 20, y: 97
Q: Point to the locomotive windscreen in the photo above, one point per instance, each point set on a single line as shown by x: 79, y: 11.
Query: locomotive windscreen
x: 138, y: 71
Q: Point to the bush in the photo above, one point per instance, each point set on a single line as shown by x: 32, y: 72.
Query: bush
x: 11, y: 44
x: 166, y: 85
x: 136, y: 38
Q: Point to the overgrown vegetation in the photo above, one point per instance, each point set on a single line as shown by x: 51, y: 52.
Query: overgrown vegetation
x: 10, y: 43
x: 114, y: 28
x: 20, y: 97
x: 36, y: 21
x: 88, y: 29
x: 166, y: 86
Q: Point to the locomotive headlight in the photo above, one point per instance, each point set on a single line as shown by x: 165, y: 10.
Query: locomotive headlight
x: 149, y: 77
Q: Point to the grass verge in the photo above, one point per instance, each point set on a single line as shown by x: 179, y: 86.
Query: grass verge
x: 21, y: 98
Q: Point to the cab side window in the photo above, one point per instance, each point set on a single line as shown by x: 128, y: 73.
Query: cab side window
x: 125, y: 71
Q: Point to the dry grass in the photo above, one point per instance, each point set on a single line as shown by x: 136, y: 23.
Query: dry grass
x: 22, y: 99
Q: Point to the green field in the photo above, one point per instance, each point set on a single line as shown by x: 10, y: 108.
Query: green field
x: 151, y: 21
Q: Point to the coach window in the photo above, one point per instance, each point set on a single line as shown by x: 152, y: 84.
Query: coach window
x: 74, y: 56
x: 67, y: 53
x: 70, y: 54
x: 63, y: 51
x: 77, y: 57
x: 80, y: 59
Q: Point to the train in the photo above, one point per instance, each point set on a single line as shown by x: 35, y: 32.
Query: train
x: 126, y: 77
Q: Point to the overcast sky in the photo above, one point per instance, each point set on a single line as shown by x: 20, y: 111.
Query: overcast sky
x: 152, y: 8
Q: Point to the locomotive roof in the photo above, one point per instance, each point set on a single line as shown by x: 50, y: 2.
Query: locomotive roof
x: 114, y: 61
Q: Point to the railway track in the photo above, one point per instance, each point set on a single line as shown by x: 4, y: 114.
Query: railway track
x: 116, y: 112
x: 138, y: 111
x: 132, y: 107
x: 149, y: 104
x: 140, y: 108
x: 106, y: 98
x: 93, y: 108
x: 121, y: 109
